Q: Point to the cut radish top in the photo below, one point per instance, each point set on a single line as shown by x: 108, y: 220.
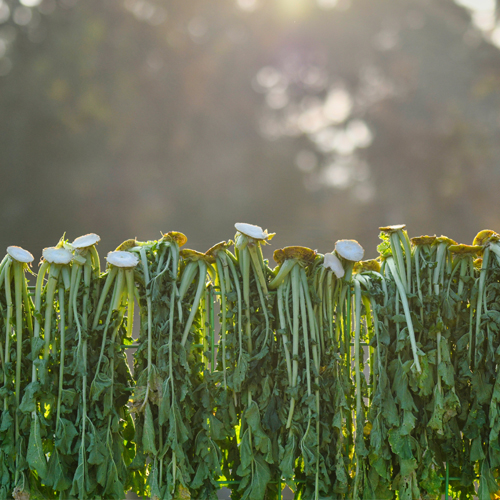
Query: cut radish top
x: 485, y: 236
x: 127, y: 245
x: 194, y: 255
x: 120, y: 258
x: 350, y: 250
x: 465, y: 249
x: 332, y: 262
x: 212, y: 251
x: 445, y: 239
x: 392, y: 229
x: 367, y: 265
x: 180, y: 238
x: 252, y: 231
x: 57, y: 255
x: 299, y: 253
x: 86, y: 240
x: 423, y: 240
x: 20, y: 254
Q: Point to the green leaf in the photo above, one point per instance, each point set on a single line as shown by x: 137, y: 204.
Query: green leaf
x: 261, y: 476
x: 148, y: 437
x: 28, y: 403
x: 7, y: 421
x: 78, y: 487
x: 35, y: 456
x: 65, y: 434
x: 57, y: 476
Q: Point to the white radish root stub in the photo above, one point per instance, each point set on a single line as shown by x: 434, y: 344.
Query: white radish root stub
x: 331, y: 261
x: 119, y: 258
x: 20, y: 254
x: 87, y: 240
x: 57, y: 255
x: 252, y: 231
x: 350, y: 250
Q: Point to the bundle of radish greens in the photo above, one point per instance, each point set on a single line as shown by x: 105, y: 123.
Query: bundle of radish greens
x: 172, y: 372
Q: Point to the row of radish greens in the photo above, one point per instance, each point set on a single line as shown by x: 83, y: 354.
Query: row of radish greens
x: 340, y: 377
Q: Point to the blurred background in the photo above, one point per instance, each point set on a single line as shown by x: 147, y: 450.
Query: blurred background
x: 315, y: 119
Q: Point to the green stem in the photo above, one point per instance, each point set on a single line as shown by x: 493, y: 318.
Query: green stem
x: 283, y: 271
x: 295, y: 280
x: 398, y: 259
x: 38, y: 304
x: 62, y: 327
x: 238, y: 293
x: 107, y: 285
x: 482, y: 280
x: 117, y: 292
x: 8, y: 326
x: 440, y: 256
x: 264, y: 311
x: 129, y: 275
x: 194, y: 307
x: 223, y: 306
x: 18, y: 292
x: 404, y: 301
x: 72, y: 291
x: 282, y: 320
x: 403, y: 236
x: 253, y: 250
x: 49, y: 309
x: 357, y: 333
x: 419, y: 286
x: 329, y: 307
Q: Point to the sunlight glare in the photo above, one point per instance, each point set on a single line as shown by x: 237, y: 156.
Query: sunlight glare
x: 337, y: 174
x: 276, y: 98
x: 22, y: 16
x: 247, y: 5
x: 4, y: 11
x: 197, y: 27
x: 30, y: 3
x: 338, y: 105
x: 293, y: 8
x: 359, y: 133
x: 306, y: 161
x: 325, y: 139
x: 364, y: 192
x: 327, y: 4
x: 268, y: 77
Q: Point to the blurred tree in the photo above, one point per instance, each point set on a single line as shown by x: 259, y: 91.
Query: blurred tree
x: 317, y: 120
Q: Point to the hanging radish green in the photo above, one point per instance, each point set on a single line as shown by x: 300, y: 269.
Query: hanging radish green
x: 346, y: 379
x: 301, y: 346
x: 201, y: 450
x: 258, y: 397
x: 228, y: 284
x: 41, y: 400
x: 335, y: 381
x: 103, y: 470
x: 161, y: 431
x: 17, y: 330
x: 482, y: 423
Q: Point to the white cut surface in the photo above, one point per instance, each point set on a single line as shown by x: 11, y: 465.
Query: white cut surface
x: 20, y: 254
x: 57, y: 255
x: 250, y: 230
x: 87, y: 240
x: 350, y: 250
x: 119, y: 258
x: 332, y: 262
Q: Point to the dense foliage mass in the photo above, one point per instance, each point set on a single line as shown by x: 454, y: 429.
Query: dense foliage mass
x: 340, y: 377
